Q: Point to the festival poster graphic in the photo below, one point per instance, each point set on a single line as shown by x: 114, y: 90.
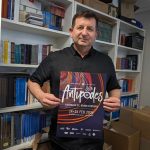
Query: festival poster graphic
x: 80, y: 113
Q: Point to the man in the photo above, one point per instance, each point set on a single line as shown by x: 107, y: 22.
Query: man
x: 80, y: 57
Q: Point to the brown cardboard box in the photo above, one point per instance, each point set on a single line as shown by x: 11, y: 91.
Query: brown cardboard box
x: 146, y: 109
x: 141, y: 121
x: 122, y: 137
x: 126, y: 115
x: 96, y: 4
x: 127, y: 10
x: 144, y: 144
x: 107, y: 146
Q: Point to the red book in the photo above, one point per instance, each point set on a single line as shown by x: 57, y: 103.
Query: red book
x: 4, y: 8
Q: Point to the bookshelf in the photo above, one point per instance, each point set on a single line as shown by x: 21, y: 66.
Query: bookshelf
x: 115, y: 49
x: 23, y: 33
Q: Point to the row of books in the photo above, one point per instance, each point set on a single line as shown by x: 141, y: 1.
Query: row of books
x: 20, y: 127
x: 133, y: 40
x: 13, y: 89
x: 127, y: 84
x: 129, y: 62
x: 23, y: 53
x: 52, y: 21
x: 53, y: 15
x: 8, y: 9
x: 105, y: 33
x: 50, y: 15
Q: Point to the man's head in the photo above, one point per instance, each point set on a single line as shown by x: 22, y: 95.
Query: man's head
x: 85, y: 14
x: 84, y: 30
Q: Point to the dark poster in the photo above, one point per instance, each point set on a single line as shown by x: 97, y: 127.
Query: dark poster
x: 81, y: 113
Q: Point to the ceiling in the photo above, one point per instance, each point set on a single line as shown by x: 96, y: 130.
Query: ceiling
x: 144, y: 5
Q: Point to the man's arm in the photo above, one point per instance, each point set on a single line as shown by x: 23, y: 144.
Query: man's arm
x: 46, y: 99
x: 112, y: 103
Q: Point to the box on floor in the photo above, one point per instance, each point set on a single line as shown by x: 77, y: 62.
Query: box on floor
x: 122, y: 137
x: 139, y: 119
x: 144, y: 144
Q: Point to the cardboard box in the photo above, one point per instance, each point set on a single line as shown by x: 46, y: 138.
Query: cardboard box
x: 146, y: 109
x: 127, y: 10
x: 141, y: 121
x: 144, y: 144
x: 107, y: 146
x: 138, y: 119
x: 122, y: 137
x: 126, y: 115
x: 96, y: 4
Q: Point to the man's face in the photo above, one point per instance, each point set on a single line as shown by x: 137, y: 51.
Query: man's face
x: 84, y: 32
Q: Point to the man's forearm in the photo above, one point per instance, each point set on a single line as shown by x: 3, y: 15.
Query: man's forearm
x: 35, y: 89
x: 115, y: 93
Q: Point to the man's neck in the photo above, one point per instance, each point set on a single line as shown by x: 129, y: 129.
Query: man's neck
x: 82, y: 50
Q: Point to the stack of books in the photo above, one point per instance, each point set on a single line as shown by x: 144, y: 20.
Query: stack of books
x: 35, y: 19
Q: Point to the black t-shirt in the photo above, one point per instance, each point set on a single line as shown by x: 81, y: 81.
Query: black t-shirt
x: 69, y: 60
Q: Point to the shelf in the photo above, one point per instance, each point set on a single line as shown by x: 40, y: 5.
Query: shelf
x: 129, y: 93
x: 104, y: 44
x: 22, y: 146
x: 129, y: 49
x: 129, y: 26
x: 28, y: 28
x: 127, y: 71
x: 21, y: 108
x: 115, y: 119
x: 19, y: 65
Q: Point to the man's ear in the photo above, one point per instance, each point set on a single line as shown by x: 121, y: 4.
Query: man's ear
x: 70, y: 31
x: 98, y: 33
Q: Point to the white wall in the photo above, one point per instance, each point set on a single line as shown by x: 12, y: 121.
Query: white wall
x: 144, y: 17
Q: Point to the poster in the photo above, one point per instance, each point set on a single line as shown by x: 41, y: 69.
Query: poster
x: 80, y: 113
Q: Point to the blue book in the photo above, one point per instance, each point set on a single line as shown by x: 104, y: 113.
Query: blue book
x: 9, y: 9
x: 17, y: 128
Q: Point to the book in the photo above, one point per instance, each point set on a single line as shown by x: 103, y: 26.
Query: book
x: 81, y: 113
x: 4, y: 8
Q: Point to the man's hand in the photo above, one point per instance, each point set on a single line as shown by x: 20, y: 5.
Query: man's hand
x: 111, y: 104
x: 49, y: 100
x: 46, y: 99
